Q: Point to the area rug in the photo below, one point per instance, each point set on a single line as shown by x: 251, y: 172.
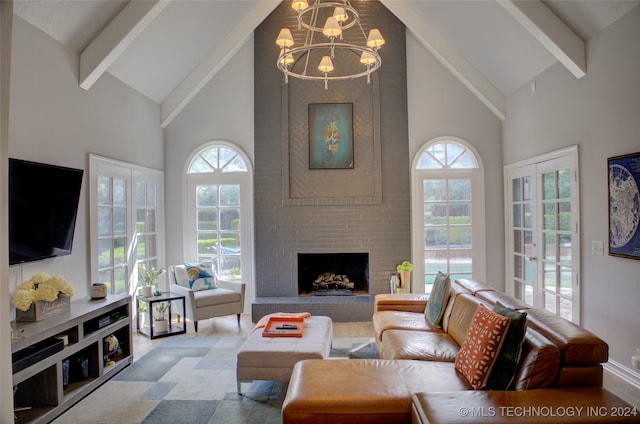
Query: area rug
x: 192, y: 380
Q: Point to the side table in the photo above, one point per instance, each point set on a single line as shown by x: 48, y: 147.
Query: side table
x: 152, y: 307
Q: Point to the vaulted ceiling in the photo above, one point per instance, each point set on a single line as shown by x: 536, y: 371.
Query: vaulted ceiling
x: 169, y: 50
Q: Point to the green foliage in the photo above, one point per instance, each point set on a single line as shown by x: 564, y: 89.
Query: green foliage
x: 160, y: 310
x: 405, y: 266
x: 148, y: 278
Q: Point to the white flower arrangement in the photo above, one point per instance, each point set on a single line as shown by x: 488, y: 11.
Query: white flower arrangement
x: 41, y: 287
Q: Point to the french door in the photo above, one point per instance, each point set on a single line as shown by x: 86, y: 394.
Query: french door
x: 543, y: 240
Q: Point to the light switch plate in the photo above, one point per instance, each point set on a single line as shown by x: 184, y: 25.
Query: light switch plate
x: 597, y: 248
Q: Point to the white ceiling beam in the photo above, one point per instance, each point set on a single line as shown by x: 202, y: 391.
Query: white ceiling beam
x: 105, y: 49
x: 188, y: 88
x: 564, y: 44
x: 460, y: 67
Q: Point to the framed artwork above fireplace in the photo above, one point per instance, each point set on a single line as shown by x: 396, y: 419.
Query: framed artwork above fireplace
x: 331, y: 136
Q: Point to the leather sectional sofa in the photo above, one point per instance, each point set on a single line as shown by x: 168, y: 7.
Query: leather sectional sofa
x: 416, y: 379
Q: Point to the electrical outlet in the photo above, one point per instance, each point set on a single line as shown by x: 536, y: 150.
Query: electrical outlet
x: 597, y: 248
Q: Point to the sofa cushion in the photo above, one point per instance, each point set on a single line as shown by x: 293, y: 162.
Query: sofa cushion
x: 539, y: 363
x: 398, y: 320
x: 481, y: 346
x: 579, y: 346
x: 419, y: 345
x: 438, y: 299
x: 459, y: 314
x: 347, y: 391
x: 215, y: 297
x: 505, y: 366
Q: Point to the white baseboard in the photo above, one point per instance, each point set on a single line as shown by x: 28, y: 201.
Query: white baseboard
x: 622, y: 372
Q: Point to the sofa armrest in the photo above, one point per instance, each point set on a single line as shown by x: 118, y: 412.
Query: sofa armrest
x: 410, y: 302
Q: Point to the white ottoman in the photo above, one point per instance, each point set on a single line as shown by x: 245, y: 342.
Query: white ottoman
x: 273, y: 358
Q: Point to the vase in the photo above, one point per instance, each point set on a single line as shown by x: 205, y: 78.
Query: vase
x: 43, y: 310
x: 405, y: 281
x: 147, y: 291
x: 160, y: 326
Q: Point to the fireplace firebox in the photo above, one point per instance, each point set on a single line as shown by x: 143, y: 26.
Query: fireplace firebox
x: 333, y: 274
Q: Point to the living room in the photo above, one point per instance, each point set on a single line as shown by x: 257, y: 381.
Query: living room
x: 47, y: 117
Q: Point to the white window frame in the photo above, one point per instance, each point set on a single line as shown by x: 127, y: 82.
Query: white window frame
x: 245, y: 180
x: 132, y: 174
x: 476, y: 175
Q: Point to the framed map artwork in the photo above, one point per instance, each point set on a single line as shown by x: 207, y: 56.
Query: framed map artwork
x: 624, y: 206
x: 331, y: 136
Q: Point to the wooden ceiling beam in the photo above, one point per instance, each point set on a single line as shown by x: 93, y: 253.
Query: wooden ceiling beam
x: 550, y: 31
x: 105, y: 49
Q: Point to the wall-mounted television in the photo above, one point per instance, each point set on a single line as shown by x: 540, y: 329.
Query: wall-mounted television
x: 43, y: 204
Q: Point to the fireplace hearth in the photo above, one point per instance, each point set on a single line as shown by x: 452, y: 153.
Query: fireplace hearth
x: 333, y: 274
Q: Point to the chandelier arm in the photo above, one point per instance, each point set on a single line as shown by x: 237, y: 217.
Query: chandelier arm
x: 309, y: 36
x: 307, y: 49
x: 308, y: 19
x: 314, y: 9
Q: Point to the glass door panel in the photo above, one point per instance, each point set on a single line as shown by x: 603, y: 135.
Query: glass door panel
x: 543, y: 207
x: 523, y: 249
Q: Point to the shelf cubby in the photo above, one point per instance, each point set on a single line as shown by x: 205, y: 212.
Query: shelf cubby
x: 54, y: 378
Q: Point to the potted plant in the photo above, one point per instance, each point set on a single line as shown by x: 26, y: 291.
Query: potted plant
x: 148, y: 279
x: 404, y: 269
x: 160, y: 323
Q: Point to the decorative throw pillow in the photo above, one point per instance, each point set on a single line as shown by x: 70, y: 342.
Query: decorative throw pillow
x: 438, y: 299
x: 204, y: 284
x: 504, y: 369
x: 202, y: 269
x: 481, y: 346
x: 182, y: 279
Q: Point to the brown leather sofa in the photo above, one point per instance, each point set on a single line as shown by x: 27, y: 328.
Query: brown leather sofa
x: 417, y: 364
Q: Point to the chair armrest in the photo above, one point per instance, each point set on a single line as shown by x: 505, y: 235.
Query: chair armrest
x: 410, y: 302
x: 234, y: 285
x: 178, y: 289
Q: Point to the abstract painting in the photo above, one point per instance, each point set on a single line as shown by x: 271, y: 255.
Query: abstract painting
x: 331, y: 136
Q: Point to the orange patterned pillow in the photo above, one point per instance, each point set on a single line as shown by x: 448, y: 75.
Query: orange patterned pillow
x: 481, y: 346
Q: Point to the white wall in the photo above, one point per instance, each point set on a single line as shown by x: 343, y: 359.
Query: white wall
x: 223, y: 110
x: 439, y: 105
x: 52, y: 120
x: 601, y: 114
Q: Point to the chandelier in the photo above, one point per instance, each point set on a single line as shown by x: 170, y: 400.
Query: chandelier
x: 314, y: 59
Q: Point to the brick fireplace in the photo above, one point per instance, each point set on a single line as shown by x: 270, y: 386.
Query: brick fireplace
x: 353, y: 211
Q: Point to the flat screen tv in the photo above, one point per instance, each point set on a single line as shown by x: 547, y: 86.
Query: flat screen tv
x: 43, y: 204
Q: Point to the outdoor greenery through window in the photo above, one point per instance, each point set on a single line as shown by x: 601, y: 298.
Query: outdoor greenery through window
x: 126, y: 222
x: 146, y: 231
x: 218, y: 208
x: 445, y: 172
x: 112, y: 233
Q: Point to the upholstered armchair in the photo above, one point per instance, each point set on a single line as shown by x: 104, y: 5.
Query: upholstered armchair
x: 209, y: 300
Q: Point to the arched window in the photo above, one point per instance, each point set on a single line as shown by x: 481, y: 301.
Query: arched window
x: 448, y: 212
x: 219, y: 211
